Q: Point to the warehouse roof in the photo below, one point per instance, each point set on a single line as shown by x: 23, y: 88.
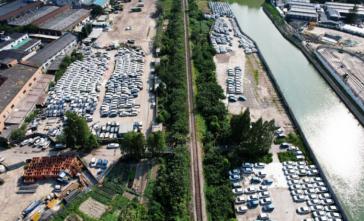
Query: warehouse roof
x: 303, y: 10
x: 51, y: 49
x: 15, y: 78
x: 12, y: 54
x: 66, y: 20
x: 32, y: 15
x: 12, y: 6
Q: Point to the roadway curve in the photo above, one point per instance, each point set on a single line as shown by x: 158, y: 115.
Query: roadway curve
x: 198, y: 204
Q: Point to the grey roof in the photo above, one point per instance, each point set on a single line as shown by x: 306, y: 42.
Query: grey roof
x: 32, y: 15
x: 51, y: 49
x: 5, y: 9
x: 67, y: 20
x: 5, y: 55
x: 13, y: 37
x: 333, y: 13
x: 15, y: 78
x: 301, y: 14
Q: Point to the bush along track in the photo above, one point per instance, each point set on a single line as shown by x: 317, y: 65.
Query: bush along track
x: 170, y: 194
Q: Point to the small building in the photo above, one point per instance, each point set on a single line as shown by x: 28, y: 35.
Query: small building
x: 51, y: 52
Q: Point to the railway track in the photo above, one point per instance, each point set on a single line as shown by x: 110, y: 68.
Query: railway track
x: 197, y: 192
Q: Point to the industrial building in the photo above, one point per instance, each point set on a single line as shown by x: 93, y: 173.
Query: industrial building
x: 67, y: 21
x: 302, y: 11
x: 15, y: 82
x: 17, y: 8
x: 53, y: 51
x: 32, y: 15
x: 344, y: 9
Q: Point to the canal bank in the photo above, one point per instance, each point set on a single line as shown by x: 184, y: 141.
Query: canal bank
x: 325, y: 123
x: 294, y: 121
x: 340, y: 90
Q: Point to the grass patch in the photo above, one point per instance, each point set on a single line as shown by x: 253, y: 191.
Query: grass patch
x: 296, y: 140
x: 203, y: 5
x: 286, y: 156
x: 256, y: 76
x: 265, y: 159
x: 201, y: 127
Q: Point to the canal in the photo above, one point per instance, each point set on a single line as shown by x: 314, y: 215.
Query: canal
x: 335, y: 136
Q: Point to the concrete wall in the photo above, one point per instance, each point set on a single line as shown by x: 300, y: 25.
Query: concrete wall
x: 9, y: 108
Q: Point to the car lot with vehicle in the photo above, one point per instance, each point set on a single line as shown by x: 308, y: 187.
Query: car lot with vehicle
x: 309, y: 189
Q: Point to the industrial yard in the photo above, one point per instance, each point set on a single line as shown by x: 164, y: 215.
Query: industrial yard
x: 90, y: 88
x: 278, y: 190
x: 348, y: 68
x: 255, y: 92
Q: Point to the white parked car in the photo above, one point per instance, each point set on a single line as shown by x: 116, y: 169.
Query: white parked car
x: 303, y: 210
x: 250, y: 190
x: 299, y: 198
x: 240, y: 200
x: 241, y: 209
x: 112, y: 146
x: 238, y: 191
x: 265, y: 201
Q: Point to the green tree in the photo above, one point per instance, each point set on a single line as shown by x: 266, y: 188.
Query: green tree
x: 97, y: 11
x: 240, y: 126
x: 134, y: 144
x: 85, y: 31
x: 17, y: 135
x: 156, y: 142
x: 257, y: 142
x: 77, y: 134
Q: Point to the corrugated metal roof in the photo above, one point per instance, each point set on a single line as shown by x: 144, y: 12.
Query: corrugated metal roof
x: 51, y: 49
x: 12, y: 6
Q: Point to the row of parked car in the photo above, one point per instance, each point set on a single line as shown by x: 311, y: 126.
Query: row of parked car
x: 255, y: 192
x: 220, y: 37
x: 306, y: 186
x: 221, y: 9
x: 124, y: 85
x: 40, y: 142
x: 234, y: 85
x: 77, y: 90
x: 244, y: 42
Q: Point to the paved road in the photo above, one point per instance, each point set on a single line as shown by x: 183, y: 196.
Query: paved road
x: 195, y: 150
